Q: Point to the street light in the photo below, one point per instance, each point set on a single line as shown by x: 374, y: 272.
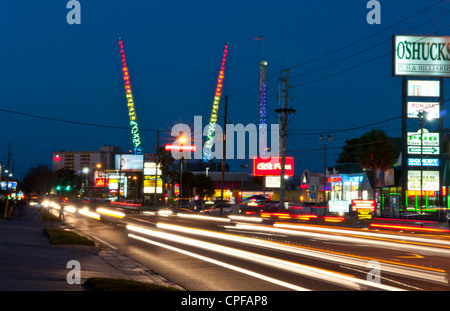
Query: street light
x: 85, y: 171
x: 330, y: 138
x: 422, y: 114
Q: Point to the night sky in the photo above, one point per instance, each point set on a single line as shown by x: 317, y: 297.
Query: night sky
x: 54, y: 73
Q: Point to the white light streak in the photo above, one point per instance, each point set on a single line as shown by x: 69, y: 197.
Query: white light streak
x: 312, y: 272
x: 223, y: 264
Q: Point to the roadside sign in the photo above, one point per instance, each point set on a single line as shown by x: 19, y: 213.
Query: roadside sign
x: 426, y: 150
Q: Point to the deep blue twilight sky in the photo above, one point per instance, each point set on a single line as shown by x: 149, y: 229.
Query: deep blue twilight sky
x: 68, y: 72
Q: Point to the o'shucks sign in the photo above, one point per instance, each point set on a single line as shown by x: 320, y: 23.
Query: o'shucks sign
x: 421, y: 56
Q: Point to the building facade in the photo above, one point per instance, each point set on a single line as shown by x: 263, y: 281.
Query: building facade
x: 78, y: 160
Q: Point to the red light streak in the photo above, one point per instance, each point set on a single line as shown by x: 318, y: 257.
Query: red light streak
x: 386, y: 226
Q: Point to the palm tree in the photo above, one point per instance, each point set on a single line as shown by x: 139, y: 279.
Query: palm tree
x: 376, y: 151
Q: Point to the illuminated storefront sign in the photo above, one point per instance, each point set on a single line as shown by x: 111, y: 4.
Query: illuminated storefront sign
x: 430, y: 180
x: 426, y: 150
x: 339, y: 206
x: 363, y: 204
x: 273, y: 181
x: 426, y: 139
x: 180, y: 147
x: 100, y: 182
x: 423, y: 88
x: 425, y: 162
x: 423, y: 56
x: 130, y: 103
x: 272, y: 166
x: 334, y: 179
x: 149, y: 184
x: 149, y: 169
x: 431, y: 108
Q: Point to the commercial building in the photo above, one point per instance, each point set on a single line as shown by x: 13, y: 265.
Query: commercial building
x: 78, y: 160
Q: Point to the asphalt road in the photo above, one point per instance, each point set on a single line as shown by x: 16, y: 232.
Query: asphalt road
x: 208, y: 255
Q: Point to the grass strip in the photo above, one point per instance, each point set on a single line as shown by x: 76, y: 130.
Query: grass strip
x: 113, y: 284
x: 61, y: 236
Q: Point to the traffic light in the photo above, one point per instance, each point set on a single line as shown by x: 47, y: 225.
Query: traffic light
x: 68, y: 188
x: 58, y: 187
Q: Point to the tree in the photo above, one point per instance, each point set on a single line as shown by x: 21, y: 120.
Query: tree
x: 67, y: 180
x: 376, y: 151
x: 205, y: 186
x: 39, y: 179
x: 348, y: 154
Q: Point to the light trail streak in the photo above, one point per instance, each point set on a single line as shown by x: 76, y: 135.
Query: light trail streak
x: 223, y: 264
x: 202, y: 217
x: 304, y: 270
x: 429, y: 274
x: 109, y: 212
x: 86, y: 212
x: 392, y: 236
x: 395, y: 244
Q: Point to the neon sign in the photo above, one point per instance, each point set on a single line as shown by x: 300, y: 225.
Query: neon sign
x: 215, y: 108
x: 272, y: 166
x: 334, y: 179
x: 425, y: 162
x: 130, y: 103
x: 263, y: 108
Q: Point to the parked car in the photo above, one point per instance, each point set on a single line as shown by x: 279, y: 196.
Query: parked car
x: 215, y: 209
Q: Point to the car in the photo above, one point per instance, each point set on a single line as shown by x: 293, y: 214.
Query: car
x: 215, y: 209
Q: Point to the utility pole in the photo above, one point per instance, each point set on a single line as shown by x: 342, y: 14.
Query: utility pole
x: 283, y: 136
x: 224, y: 135
x: 156, y: 167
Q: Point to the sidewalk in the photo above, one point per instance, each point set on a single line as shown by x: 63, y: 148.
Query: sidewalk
x: 28, y: 262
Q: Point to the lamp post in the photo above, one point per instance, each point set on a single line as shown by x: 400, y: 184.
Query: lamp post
x: 330, y: 138
x: 422, y: 114
x: 85, y: 171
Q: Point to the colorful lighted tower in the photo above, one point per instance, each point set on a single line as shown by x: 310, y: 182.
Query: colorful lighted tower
x: 215, y: 108
x: 263, y: 109
x: 137, y: 144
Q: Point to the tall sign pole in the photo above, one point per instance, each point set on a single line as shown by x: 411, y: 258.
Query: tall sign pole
x: 423, y: 62
x: 137, y: 143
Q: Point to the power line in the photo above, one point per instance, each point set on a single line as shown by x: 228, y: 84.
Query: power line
x: 349, y: 45
x: 76, y: 122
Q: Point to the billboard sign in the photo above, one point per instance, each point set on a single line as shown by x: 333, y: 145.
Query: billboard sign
x: 415, y: 107
x: 129, y: 162
x: 423, y: 56
x: 272, y: 166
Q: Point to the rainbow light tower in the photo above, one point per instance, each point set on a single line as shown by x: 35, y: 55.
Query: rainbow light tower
x: 215, y: 108
x: 130, y: 103
x: 263, y: 109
